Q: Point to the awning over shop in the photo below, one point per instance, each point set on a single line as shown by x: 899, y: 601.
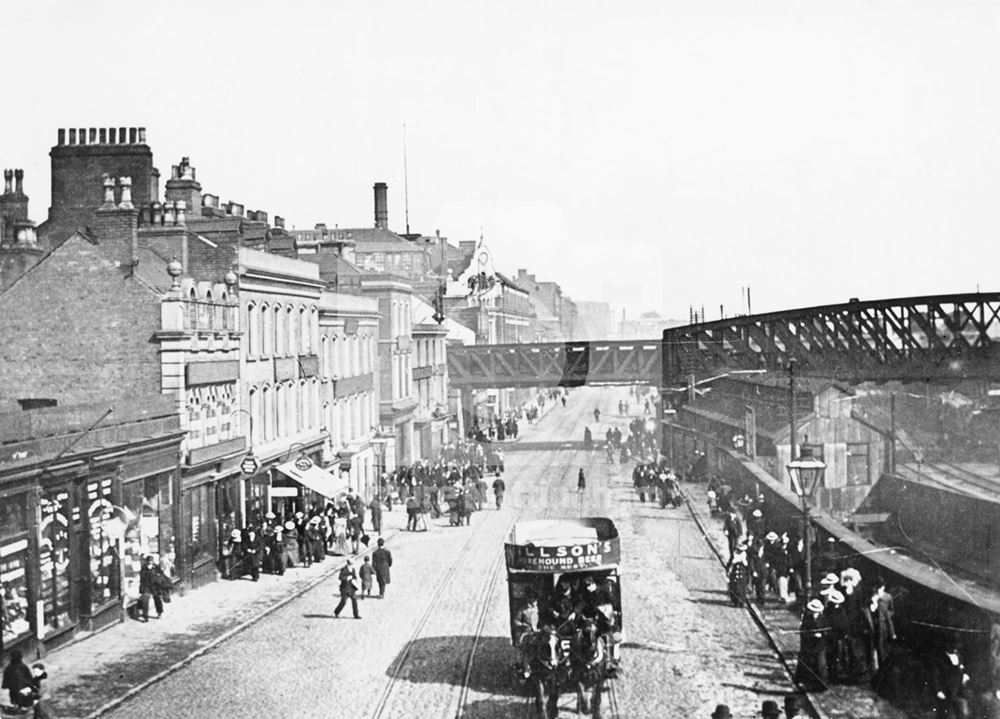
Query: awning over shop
x: 316, y: 479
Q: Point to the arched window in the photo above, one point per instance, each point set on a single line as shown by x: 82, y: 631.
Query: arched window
x: 281, y: 410
x: 253, y: 332
x: 267, y: 400
x: 267, y: 330
x: 303, y: 406
x: 314, y: 389
x: 314, y: 329
x: 324, y: 360
x: 280, y: 333
x: 292, y: 321
x: 328, y: 420
x: 254, y: 430
x: 192, y: 310
x: 305, y: 332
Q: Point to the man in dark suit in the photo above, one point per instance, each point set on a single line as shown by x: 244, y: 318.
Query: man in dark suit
x: 950, y: 682
x: 350, y: 582
x: 252, y: 545
x: 381, y: 560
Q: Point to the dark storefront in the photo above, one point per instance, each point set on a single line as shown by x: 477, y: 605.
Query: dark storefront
x: 72, y: 524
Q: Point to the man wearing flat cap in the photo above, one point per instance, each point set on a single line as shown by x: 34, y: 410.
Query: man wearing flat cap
x: 722, y: 712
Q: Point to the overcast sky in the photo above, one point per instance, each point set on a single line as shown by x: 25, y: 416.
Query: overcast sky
x: 653, y: 155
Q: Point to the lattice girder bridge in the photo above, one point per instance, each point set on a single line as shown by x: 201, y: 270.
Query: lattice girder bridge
x: 934, y: 338
x: 554, y: 364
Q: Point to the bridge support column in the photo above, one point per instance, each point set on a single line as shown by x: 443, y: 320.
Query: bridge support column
x: 467, y: 411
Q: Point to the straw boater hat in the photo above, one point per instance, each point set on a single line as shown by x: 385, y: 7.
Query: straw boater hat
x: 289, y: 525
x: 815, y: 605
x: 235, y: 534
x: 850, y: 574
x: 836, y: 597
x: 771, y: 536
x: 829, y: 579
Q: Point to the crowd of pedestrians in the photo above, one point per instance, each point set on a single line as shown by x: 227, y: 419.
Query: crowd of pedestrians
x: 847, y: 628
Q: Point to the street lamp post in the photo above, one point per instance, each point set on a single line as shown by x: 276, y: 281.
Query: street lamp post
x: 379, y: 441
x: 806, y: 472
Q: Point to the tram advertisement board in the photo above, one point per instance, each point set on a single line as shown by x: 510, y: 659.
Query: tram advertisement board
x: 563, y: 557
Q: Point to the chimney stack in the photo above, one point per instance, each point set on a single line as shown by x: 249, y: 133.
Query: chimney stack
x: 381, y: 206
x: 117, y: 224
x: 8, y: 177
x: 18, y: 182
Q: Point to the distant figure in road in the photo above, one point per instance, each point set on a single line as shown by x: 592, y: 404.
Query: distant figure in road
x: 597, y: 414
x: 563, y: 398
x: 376, y: 509
x: 588, y: 439
x: 381, y: 561
x: 498, y: 490
x: 581, y: 481
x: 349, y: 584
x: 366, y: 572
x: 739, y: 575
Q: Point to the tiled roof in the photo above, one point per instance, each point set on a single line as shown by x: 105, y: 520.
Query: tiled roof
x: 375, y: 239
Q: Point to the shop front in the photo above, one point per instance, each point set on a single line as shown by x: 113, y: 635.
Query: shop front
x: 301, y: 485
x: 18, y: 594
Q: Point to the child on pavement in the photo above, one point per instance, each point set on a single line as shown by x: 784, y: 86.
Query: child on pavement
x: 366, y: 573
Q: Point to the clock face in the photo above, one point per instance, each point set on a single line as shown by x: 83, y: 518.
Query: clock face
x: 483, y: 258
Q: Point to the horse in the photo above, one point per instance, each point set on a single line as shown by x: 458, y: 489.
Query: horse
x: 590, y: 660
x: 546, y: 660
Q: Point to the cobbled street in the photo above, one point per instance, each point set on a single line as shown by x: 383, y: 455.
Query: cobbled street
x: 686, y: 649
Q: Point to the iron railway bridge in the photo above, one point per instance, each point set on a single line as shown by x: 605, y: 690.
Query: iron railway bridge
x: 933, y: 338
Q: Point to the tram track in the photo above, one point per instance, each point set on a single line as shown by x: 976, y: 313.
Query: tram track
x: 460, y: 695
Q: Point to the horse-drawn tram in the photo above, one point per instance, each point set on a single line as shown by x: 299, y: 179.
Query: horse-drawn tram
x: 565, y: 608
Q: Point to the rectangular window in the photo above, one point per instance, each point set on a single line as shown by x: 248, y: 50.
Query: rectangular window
x: 858, y: 466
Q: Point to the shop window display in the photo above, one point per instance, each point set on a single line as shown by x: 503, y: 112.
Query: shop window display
x: 105, y: 566
x: 54, y: 560
x: 147, y: 528
x: 14, y: 622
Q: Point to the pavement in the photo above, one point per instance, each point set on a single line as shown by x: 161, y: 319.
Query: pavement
x: 99, y: 671
x: 840, y: 701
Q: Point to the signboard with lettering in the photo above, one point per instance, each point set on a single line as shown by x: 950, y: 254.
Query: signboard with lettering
x: 249, y: 465
x: 563, y: 557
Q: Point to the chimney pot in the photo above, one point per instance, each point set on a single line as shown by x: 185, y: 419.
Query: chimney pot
x: 83, y: 136
x: 132, y: 133
x: 102, y: 136
x: 8, y: 177
x: 112, y: 136
x: 142, y: 135
x: 121, y: 135
x: 19, y: 182
x: 126, y: 200
x: 93, y: 135
x: 62, y: 136
x: 109, y: 194
x: 72, y: 136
